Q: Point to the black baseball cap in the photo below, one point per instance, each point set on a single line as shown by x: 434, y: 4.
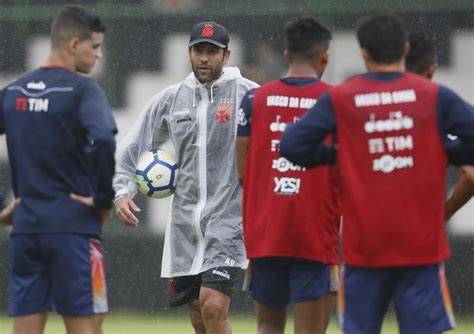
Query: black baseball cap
x: 210, y: 32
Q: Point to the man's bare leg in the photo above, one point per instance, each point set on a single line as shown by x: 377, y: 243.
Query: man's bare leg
x: 196, y: 317
x: 270, y: 320
x: 30, y: 324
x: 91, y: 324
x: 214, y: 311
x: 313, y: 316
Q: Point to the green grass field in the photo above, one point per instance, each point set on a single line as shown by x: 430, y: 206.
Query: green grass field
x: 125, y: 323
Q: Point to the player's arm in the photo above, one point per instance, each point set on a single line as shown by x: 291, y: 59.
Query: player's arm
x: 243, y: 133
x: 462, y: 192
x: 99, y: 147
x: 303, y: 142
x: 241, y: 147
x: 456, y: 118
x: 148, y: 131
x: 99, y: 142
x: 2, y: 120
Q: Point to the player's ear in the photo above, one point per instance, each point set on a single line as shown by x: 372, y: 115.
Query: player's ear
x: 431, y: 70
x: 286, y: 56
x: 73, y: 44
x: 366, y: 55
x: 226, y: 57
x: 325, y: 57
x: 406, y: 49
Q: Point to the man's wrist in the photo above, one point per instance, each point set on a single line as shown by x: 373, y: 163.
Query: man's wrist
x: 119, y: 197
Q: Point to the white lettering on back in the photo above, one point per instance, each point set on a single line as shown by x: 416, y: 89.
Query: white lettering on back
x: 385, y: 98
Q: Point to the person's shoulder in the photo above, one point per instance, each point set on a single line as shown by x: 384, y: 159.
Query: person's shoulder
x: 326, y: 85
x: 346, y: 86
x: 268, y: 87
x: 23, y: 79
x: 167, y: 94
x: 247, y: 83
x: 446, y: 94
x: 350, y: 81
x: 88, y: 83
x: 86, y: 87
x: 419, y: 81
x: 250, y: 94
x: 422, y: 87
x: 269, y: 84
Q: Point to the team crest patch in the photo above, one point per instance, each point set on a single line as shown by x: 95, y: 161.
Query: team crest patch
x: 208, y: 30
x: 224, y: 110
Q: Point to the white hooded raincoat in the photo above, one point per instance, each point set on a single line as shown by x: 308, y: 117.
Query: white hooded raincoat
x: 201, y: 122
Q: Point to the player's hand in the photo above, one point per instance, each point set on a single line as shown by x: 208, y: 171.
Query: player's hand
x: 104, y: 214
x: 467, y: 172
x: 86, y: 200
x: 124, y: 206
x: 463, y: 191
x: 6, y: 214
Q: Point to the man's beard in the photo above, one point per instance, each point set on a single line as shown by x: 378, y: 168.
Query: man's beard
x: 213, y: 74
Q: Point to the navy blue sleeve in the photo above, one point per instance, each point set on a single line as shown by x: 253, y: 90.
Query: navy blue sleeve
x: 2, y: 131
x: 302, y: 142
x: 245, y: 114
x: 2, y: 118
x: 456, y: 126
x: 100, y: 129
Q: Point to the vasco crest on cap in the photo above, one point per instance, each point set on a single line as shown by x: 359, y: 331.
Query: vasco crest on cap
x: 208, y: 30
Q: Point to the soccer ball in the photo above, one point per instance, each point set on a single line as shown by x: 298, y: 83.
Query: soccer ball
x: 156, y: 173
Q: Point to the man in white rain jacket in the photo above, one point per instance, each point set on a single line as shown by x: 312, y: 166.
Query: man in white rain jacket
x: 204, y: 239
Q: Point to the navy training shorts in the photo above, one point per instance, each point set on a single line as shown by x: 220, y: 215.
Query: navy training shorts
x: 420, y: 294
x: 61, y: 271
x: 278, y: 281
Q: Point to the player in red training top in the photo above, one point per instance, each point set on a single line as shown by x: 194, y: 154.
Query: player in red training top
x: 291, y: 214
x: 422, y: 61
x: 392, y: 153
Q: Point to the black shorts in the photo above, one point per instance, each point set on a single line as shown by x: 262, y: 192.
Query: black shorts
x: 185, y: 289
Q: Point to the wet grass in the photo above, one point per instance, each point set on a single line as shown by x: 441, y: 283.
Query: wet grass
x: 126, y: 323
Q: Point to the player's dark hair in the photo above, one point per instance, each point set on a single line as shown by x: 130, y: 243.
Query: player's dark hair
x: 306, y: 36
x: 383, y: 35
x: 74, y: 22
x: 422, y: 53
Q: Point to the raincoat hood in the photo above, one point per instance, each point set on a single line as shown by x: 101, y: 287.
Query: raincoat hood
x: 229, y: 73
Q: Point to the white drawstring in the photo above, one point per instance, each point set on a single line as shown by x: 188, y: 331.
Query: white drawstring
x: 212, y: 95
x: 194, y: 94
